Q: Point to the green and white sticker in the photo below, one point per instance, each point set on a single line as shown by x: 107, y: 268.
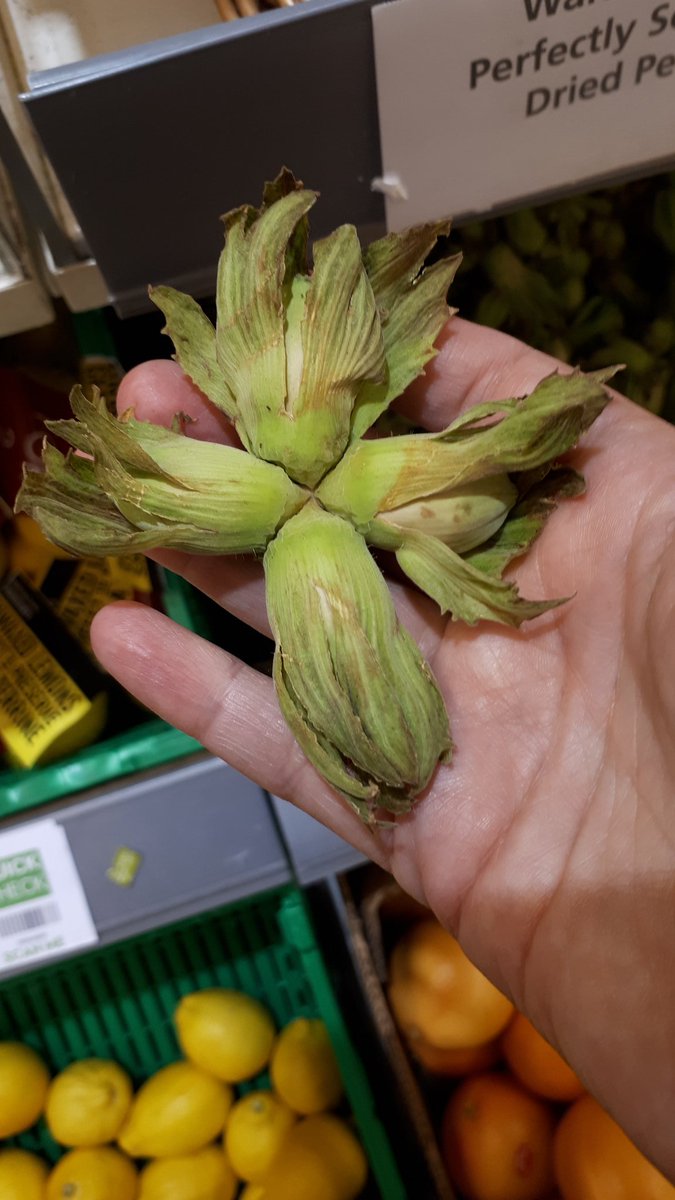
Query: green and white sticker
x: 22, y: 878
x: 43, y: 908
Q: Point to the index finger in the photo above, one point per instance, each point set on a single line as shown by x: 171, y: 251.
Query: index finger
x: 473, y: 364
x: 159, y: 389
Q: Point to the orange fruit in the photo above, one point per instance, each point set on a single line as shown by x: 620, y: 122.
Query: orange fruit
x: 497, y: 1140
x: 536, y: 1064
x: 455, y: 1062
x: 436, y: 992
x: 594, y: 1159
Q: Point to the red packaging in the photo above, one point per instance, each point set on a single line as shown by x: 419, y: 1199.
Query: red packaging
x: 25, y: 404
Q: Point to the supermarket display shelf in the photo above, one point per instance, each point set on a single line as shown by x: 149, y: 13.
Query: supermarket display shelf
x: 123, y: 112
x: 63, y: 271
x: 206, y: 839
x: 119, y: 1003
x: 23, y: 305
x: 204, y: 835
x: 315, y: 853
x: 313, y: 107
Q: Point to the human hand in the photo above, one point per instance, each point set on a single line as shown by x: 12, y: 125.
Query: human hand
x: 548, y: 844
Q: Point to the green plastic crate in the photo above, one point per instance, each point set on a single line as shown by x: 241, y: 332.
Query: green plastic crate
x: 151, y: 743
x: 118, y: 1003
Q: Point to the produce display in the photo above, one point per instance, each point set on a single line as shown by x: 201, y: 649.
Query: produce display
x: 514, y: 1122
x: 304, y: 364
x: 570, y: 277
x: 54, y: 700
x: 588, y: 278
x: 185, y: 1133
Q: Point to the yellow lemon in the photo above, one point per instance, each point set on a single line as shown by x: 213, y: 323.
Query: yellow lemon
x: 304, y: 1068
x: 301, y: 1173
x: 24, y: 1080
x: 203, y: 1176
x: 88, y: 1103
x: 225, y: 1032
x: 256, y: 1130
x: 100, y: 1173
x: 177, y: 1111
x: 22, y: 1175
x: 335, y: 1143
x: 253, y: 1191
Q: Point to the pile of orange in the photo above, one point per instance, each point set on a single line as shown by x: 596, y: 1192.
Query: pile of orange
x: 517, y: 1124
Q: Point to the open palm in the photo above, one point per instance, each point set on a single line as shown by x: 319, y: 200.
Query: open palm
x: 548, y: 844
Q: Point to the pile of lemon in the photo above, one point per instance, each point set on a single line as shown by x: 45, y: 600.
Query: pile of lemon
x: 198, y: 1139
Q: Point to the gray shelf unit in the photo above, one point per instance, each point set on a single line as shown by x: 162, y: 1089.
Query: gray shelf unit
x: 205, y: 834
x: 316, y: 853
x: 151, y: 144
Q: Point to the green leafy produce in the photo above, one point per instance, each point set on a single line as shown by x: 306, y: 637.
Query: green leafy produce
x: 589, y: 279
x: 305, y: 362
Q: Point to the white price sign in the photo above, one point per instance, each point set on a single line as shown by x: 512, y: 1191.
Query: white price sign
x: 484, y: 103
x: 43, y: 908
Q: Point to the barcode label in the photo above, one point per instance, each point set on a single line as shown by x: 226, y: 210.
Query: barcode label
x: 43, y: 908
x: 28, y: 920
